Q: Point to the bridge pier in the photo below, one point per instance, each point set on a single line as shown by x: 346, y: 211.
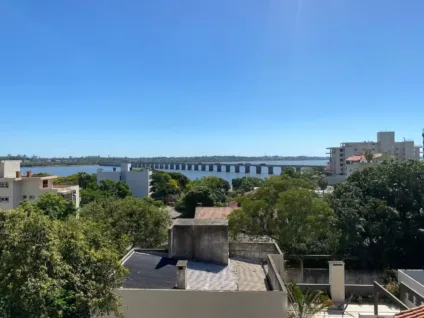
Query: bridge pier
x: 228, y: 168
x: 258, y: 169
x: 196, y: 167
x: 237, y: 168
x: 218, y: 168
x: 210, y: 167
x: 246, y: 169
x: 270, y: 170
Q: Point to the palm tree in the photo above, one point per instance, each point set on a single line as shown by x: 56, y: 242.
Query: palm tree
x: 368, y: 155
x: 322, y: 183
x: 306, y: 304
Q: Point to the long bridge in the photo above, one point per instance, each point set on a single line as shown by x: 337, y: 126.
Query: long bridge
x: 220, y: 167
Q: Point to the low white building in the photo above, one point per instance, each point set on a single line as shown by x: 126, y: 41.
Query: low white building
x: 16, y: 187
x: 385, y: 144
x: 138, y: 181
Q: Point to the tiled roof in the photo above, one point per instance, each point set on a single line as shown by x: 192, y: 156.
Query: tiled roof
x: 417, y: 312
x: 213, y: 213
x: 362, y: 157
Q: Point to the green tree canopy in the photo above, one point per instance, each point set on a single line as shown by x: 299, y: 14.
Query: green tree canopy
x: 246, y: 184
x: 199, y: 195
x: 138, y: 221
x: 52, y: 205
x: 51, y: 268
x: 106, y: 188
x: 285, y: 209
x: 380, y: 214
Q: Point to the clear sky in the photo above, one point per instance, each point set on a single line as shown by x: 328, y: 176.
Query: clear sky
x: 224, y: 77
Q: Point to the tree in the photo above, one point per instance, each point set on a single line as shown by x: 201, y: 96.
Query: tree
x: 323, y: 183
x: 180, y: 178
x: 306, y: 304
x: 246, y: 184
x: 52, y: 205
x: 139, y: 221
x: 51, y: 268
x: 368, y: 155
x: 380, y: 214
x: 286, y: 210
x: 198, y: 195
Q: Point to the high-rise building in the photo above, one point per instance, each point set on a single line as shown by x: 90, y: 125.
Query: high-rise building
x: 385, y: 145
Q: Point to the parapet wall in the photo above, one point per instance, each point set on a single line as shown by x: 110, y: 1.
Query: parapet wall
x: 256, y: 251
x: 199, y: 240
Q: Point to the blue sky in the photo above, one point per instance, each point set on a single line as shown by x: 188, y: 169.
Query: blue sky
x: 176, y: 78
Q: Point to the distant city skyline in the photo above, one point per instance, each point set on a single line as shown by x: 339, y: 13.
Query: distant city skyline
x: 242, y: 77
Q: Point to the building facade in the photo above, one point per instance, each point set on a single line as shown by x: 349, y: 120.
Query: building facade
x: 385, y: 144
x: 16, y: 187
x: 138, y: 181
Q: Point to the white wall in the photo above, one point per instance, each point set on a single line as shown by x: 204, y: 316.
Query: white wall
x: 8, y: 168
x: 412, y: 284
x: 202, y: 304
x: 138, y: 182
x: 111, y: 175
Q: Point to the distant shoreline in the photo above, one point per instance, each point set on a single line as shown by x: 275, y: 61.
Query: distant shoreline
x: 58, y: 166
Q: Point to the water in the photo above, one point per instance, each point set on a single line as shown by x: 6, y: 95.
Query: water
x: 68, y: 170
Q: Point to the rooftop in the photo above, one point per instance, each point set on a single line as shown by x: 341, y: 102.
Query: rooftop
x: 417, y: 312
x: 362, y: 157
x: 154, y: 270
x: 213, y: 212
x: 201, y: 222
x: 360, y: 310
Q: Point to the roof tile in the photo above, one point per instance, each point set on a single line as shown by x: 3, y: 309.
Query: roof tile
x: 417, y: 312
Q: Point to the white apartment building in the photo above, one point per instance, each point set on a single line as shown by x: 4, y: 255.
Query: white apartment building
x: 385, y: 145
x: 139, y: 182
x: 16, y: 187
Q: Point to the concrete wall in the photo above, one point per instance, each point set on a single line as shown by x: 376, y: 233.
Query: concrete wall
x: 362, y: 290
x: 257, y: 251
x: 207, y: 243
x: 411, y: 291
x: 320, y: 276
x: 138, y: 303
x: 333, y: 180
x: 275, y: 269
x: 8, y: 168
x: 138, y: 182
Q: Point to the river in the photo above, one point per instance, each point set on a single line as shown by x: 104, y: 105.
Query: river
x: 68, y: 170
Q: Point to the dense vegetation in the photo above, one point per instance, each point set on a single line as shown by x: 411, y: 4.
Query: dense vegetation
x: 375, y: 216
x: 116, y: 161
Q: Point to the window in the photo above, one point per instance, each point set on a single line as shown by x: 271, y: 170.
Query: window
x: 4, y: 184
x: 45, y: 183
x: 24, y: 197
x: 32, y: 197
x: 417, y: 301
x: 4, y: 199
x: 410, y: 297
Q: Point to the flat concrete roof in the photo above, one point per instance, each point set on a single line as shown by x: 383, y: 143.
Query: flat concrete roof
x: 154, y: 270
x: 416, y: 274
x: 200, y: 222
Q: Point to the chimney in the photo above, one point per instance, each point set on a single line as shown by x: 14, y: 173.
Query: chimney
x: 18, y: 174
x: 337, y: 281
x: 181, y: 274
x: 28, y: 173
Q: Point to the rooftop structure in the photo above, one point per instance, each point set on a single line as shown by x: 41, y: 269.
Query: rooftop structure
x: 155, y: 270
x: 213, y: 212
x: 385, y: 144
x: 138, y: 181
x: 16, y: 187
x: 417, y: 312
x: 411, y: 287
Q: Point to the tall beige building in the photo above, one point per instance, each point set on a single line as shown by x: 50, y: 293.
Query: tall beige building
x: 16, y: 187
x: 385, y: 144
